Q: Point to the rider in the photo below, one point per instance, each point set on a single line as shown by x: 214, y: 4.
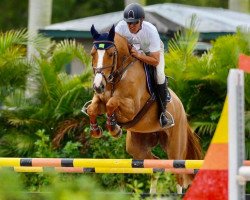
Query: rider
x: 147, y: 47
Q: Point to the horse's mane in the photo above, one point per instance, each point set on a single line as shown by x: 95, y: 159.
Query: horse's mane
x: 122, y: 42
x: 118, y: 35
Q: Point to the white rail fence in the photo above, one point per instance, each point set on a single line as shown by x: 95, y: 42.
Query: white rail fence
x: 238, y: 174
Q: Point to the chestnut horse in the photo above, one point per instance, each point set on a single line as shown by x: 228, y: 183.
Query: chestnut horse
x: 121, y: 93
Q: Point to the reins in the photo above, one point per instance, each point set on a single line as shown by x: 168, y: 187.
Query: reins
x: 120, y: 71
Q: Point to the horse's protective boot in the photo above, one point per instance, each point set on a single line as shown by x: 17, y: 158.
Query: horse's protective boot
x: 162, y: 94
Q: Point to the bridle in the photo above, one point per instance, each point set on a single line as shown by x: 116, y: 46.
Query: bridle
x: 115, y: 74
x: 113, y: 66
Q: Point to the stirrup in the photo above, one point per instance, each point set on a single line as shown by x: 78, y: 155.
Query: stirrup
x: 168, y: 118
x: 84, y: 108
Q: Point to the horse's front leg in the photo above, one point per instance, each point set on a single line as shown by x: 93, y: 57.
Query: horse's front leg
x: 93, y: 110
x: 111, y: 124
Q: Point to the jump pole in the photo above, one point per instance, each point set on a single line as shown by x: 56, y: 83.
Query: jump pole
x: 102, y: 170
x: 101, y: 163
x: 236, y: 128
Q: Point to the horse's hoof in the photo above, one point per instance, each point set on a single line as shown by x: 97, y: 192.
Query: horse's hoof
x: 97, y: 133
x: 117, y: 133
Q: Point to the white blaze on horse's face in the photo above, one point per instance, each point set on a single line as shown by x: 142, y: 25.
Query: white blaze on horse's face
x: 98, y: 84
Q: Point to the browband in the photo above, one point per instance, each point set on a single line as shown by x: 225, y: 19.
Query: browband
x: 103, y: 44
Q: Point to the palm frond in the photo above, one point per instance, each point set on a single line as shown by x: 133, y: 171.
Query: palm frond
x: 12, y: 38
x: 14, y: 73
x: 66, y: 51
x: 14, y: 66
x: 204, y: 127
x: 15, y: 144
x: 184, y: 42
x: 20, y: 38
x: 68, y: 101
x: 180, y: 57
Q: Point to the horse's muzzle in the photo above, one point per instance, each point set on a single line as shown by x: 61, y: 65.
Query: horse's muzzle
x: 100, y: 89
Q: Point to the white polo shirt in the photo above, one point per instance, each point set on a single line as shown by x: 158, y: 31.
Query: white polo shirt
x: 147, y: 39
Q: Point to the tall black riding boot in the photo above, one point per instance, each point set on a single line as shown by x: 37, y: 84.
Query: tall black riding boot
x: 162, y: 93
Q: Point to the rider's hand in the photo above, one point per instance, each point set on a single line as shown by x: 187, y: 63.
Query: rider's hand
x: 134, y: 53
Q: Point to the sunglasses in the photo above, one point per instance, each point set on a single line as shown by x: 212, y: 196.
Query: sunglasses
x: 133, y: 23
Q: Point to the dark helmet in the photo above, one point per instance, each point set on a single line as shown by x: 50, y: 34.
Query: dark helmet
x: 133, y: 12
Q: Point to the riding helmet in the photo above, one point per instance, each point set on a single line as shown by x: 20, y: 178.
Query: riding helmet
x: 133, y: 12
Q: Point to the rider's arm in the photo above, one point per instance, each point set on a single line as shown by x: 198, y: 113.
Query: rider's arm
x: 153, y: 58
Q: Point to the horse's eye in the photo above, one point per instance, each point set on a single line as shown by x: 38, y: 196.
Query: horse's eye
x: 110, y: 54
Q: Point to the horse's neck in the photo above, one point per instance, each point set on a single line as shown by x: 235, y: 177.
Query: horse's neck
x: 122, y: 48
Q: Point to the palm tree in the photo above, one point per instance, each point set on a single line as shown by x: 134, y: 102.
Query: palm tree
x: 40, y: 13
x: 14, y: 70
x: 56, y: 100
x: 14, y: 66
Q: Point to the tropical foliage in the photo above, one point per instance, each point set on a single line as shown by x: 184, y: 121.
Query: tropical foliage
x: 41, y: 105
x: 48, y: 100
x: 201, y: 82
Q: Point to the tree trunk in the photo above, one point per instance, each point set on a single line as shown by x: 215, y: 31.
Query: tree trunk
x: 239, y: 5
x: 40, y: 12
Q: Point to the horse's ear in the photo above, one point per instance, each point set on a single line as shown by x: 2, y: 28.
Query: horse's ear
x: 112, y: 33
x: 94, y: 32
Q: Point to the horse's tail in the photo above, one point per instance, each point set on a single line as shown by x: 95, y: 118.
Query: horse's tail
x: 194, y: 151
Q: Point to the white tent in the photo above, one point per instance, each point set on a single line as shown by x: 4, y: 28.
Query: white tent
x: 166, y: 17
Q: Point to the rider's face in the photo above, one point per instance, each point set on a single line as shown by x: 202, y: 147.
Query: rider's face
x: 134, y: 27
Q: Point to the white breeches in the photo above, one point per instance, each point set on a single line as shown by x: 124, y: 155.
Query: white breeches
x: 160, y: 74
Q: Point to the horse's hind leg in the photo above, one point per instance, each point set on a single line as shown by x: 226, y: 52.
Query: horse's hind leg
x: 139, y: 146
x: 175, y: 145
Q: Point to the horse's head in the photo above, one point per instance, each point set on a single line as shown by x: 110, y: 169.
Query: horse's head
x: 104, y: 58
